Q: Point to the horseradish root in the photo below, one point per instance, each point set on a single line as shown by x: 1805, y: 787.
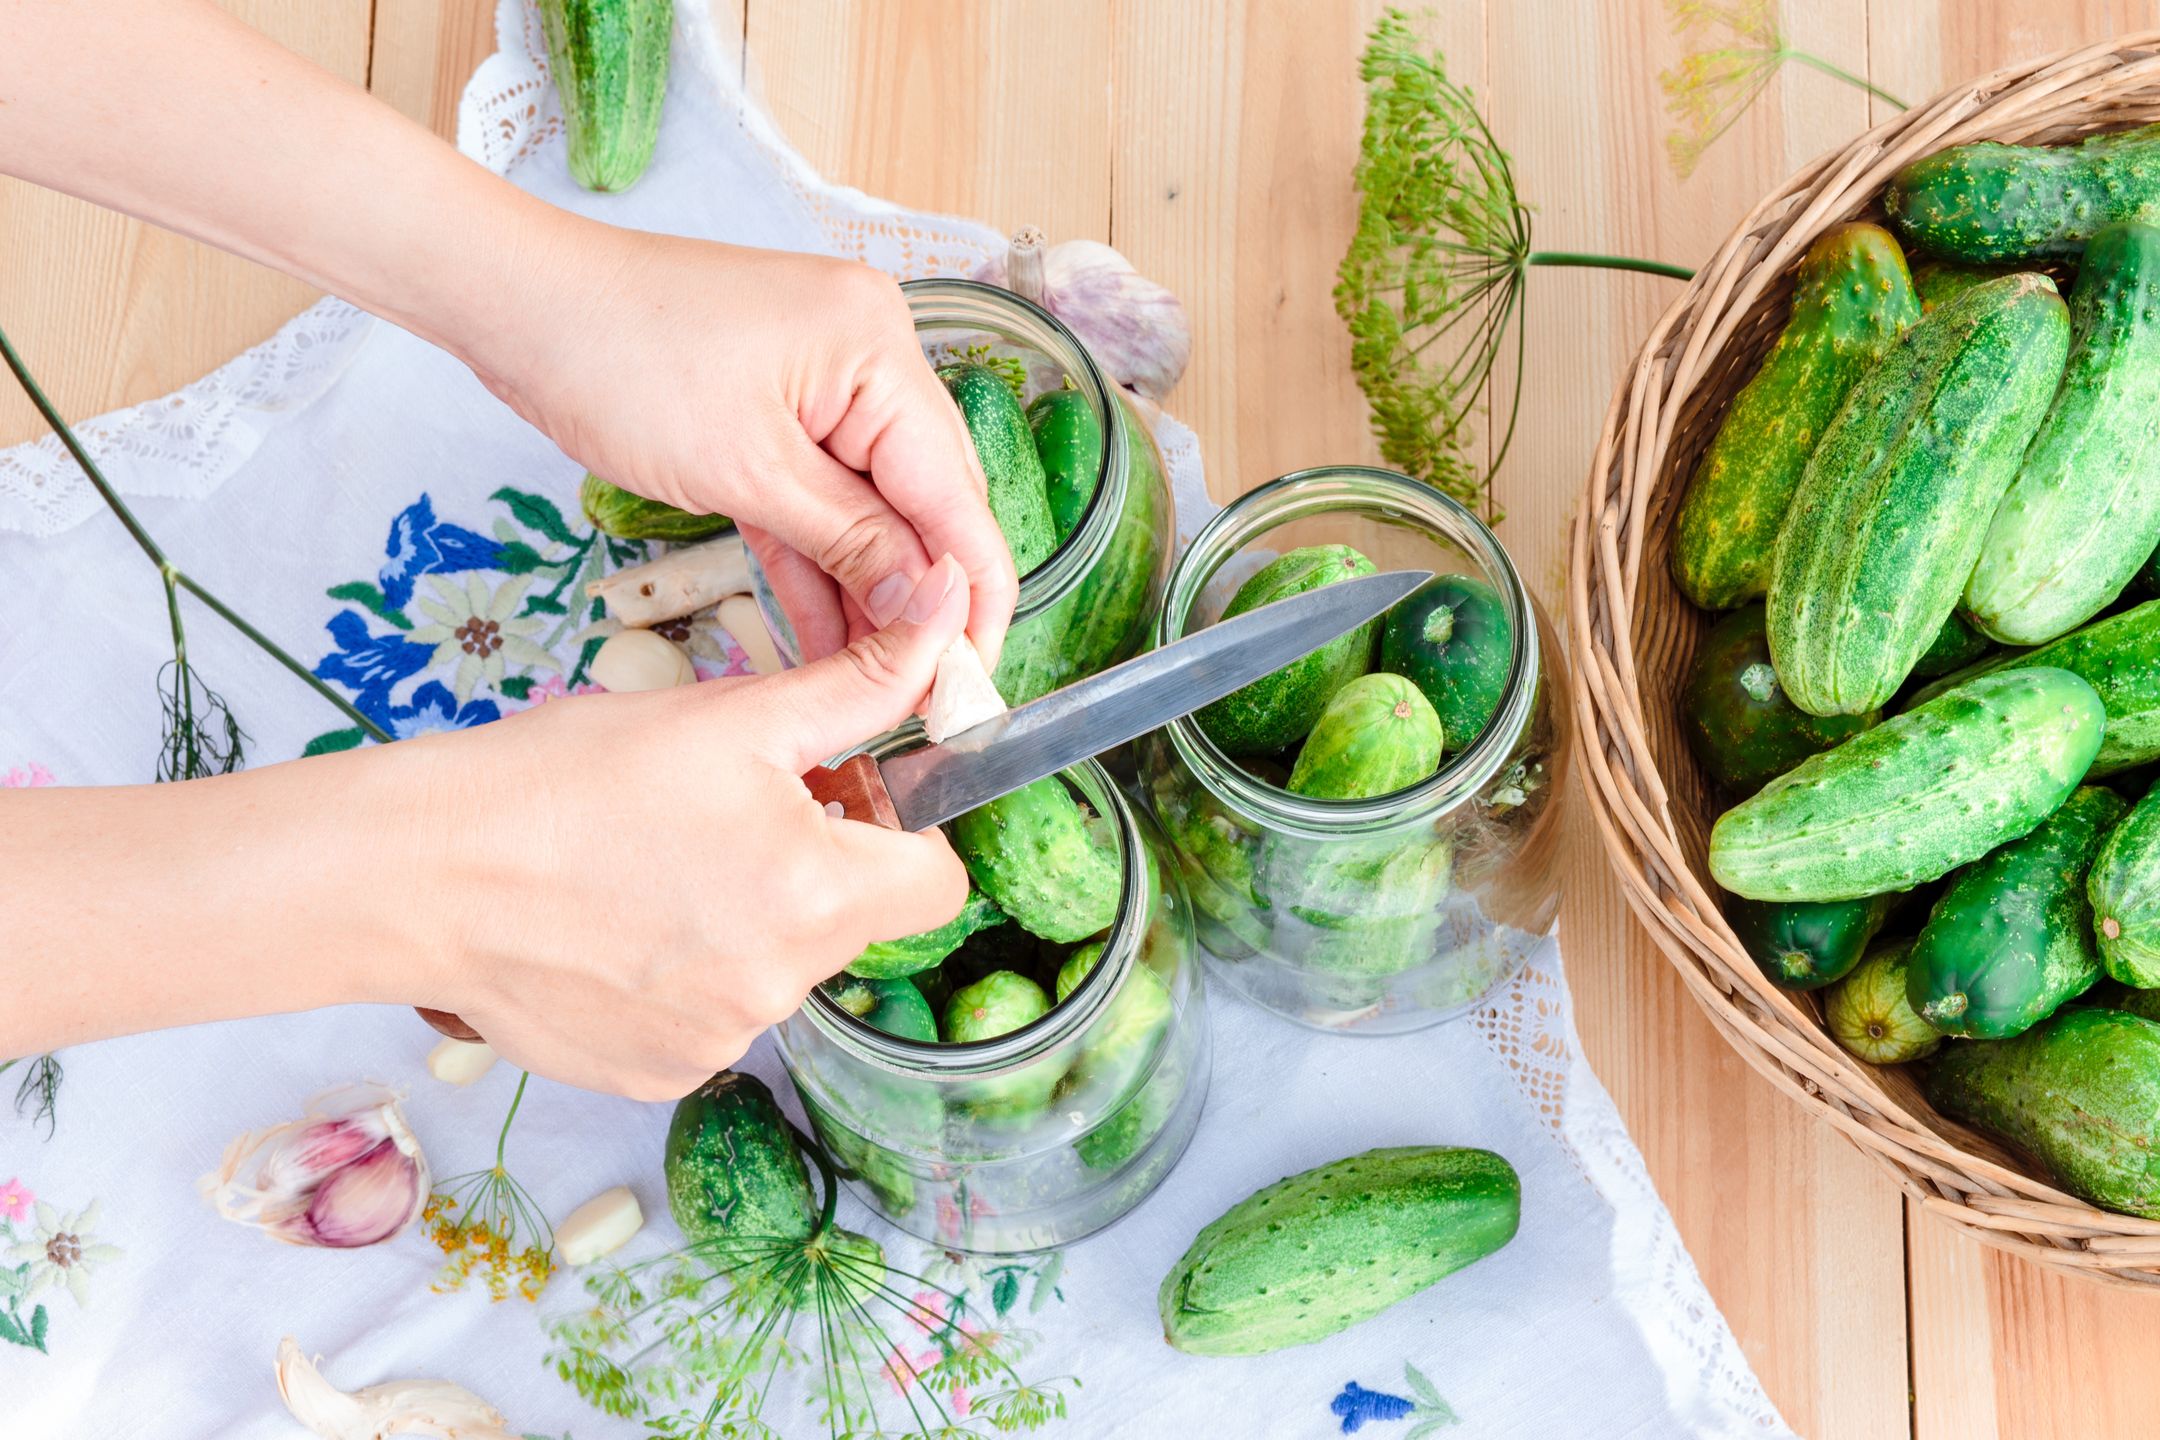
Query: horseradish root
x: 679, y: 583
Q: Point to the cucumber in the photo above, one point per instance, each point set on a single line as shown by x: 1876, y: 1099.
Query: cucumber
x: 1917, y: 796
x: 2124, y: 888
x: 1940, y: 281
x: 2080, y: 1092
x: 1451, y: 637
x: 2082, y: 515
x: 1806, y: 944
x: 615, y: 511
x: 1121, y: 1134
x: 1075, y: 969
x: 2011, y: 939
x: 1954, y: 647
x: 1852, y: 299
x: 1019, y: 501
x: 1868, y: 1014
x: 1378, y: 735
x: 1069, y: 442
x: 1895, y: 501
x: 1736, y: 717
x: 733, y: 1169
x: 896, y: 1007
x: 1275, y: 711
x: 1990, y: 202
x: 998, y: 1004
x: 610, y: 61
x: 1316, y: 1253
x: 1364, y: 907
x: 1031, y: 852
x: 893, y: 959
x: 1218, y: 856
x: 2114, y: 995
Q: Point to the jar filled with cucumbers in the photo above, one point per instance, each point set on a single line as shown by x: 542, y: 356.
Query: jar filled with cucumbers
x: 1028, y: 1073
x: 1075, y: 481
x: 1369, y: 835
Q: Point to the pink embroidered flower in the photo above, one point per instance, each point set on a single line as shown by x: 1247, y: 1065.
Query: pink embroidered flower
x: 903, y: 1369
x: 552, y: 688
x: 959, y: 1403
x: 27, y: 777
x: 15, y: 1201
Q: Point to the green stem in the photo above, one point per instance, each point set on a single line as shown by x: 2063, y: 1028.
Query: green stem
x: 502, y: 1137
x: 1816, y: 62
x: 171, y: 574
x: 1607, y: 262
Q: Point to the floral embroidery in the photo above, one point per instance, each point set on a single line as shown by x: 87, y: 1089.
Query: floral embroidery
x: 15, y: 1198
x: 420, y: 545
x: 59, y: 1253
x: 1357, y: 1406
x: 26, y: 777
x: 479, y: 633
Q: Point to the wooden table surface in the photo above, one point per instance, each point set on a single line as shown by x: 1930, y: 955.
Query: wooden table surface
x: 1211, y: 141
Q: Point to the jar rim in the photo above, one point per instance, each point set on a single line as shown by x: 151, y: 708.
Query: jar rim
x: 1387, y: 495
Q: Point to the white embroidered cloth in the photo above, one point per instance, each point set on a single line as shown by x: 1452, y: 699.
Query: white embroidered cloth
x: 349, y: 488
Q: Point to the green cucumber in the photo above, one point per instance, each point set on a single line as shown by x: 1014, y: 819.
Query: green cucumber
x: 1989, y: 202
x: 609, y: 59
x: 1069, y: 442
x: 2080, y: 1092
x: 2124, y: 887
x: 1895, y: 501
x: 733, y: 1169
x: 1218, y: 856
x: 2115, y: 995
x: 1852, y: 299
x: 1314, y: 1254
x: 1378, y: 735
x: 1076, y: 968
x: 2082, y: 515
x: 1019, y: 501
x: 1275, y: 711
x: 1954, y: 647
x: 615, y: 511
x: 1451, y: 637
x: 1736, y: 717
x: 1917, y: 796
x: 1868, y: 1014
x: 1369, y: 906
x: 896, y: 1007
x: 2011, y: 939
x: 1032, y: 853
x: 997, y: 1004
x: 1940, y: 281
x: 893, y: 959
x: 1806, y: 944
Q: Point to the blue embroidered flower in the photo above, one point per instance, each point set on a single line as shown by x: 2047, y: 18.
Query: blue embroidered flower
x: 1356, y: 1405
x: 435, y: 708
x: 369, y: 665
x: 420, y: 544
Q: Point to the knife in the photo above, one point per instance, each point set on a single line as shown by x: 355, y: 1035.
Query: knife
x: 933, y: 784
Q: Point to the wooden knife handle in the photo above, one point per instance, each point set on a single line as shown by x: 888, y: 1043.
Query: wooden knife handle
x: 854, y: 785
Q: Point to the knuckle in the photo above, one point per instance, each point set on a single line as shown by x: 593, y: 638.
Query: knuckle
x: 877, y: 658
x: 858, y: 552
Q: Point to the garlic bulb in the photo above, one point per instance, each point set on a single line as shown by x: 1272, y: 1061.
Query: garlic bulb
x: 632, y: 660
x: 1135, y: 329
x: 347, y: 1173
x: 961, y: 696
x: 397, y: 1407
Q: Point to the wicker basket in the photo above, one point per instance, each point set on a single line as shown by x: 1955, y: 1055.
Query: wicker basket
x: 1633, y: 636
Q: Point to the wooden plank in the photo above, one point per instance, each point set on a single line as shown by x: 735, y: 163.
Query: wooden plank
x: 109, y: 311
x: 425, y: 51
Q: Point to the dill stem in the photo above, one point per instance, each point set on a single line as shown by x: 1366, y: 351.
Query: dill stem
x: 1576, y: 259
x: 1816, y: 62
x: 502, y: 1137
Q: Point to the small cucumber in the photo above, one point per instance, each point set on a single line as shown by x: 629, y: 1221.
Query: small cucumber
x: 615, y: 511
x: 2080, y: 1092
x: 1451, y: 637
x: 1895, y: 501
x: 1275, y: 711
x: 2114, y: 995
x: 1316, y: 1253
x: 1853, y: 298
x: 610, y: 63
x: 1736, y: 716
x: 1019, y: 499
x: 1217, y: 852
x: 1941, y: 281
x: 1032, y: 853
x: 1955, y: 646
x: 1370, y: 906
x: 1069, y: 442
x: 2083, y: 515
x: 1990, y: 202
x: 896, y: 1007
x: 893, y: 959
x: 1868, y: 1014
x: 1917, y: 796
x: 1806, y: 944
x: 998, y: 1004
x: 1378, y: 735
x: 2124, y: 887
x: 733, y: 1169
x: 2011, y: 939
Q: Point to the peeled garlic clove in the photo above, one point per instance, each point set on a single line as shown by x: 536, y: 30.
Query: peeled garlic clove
x: 348, y: 1173
x: 460, y: 1062
x: 961, y: 696
x: 682, y: 582
x: 397, y: 1407
x: 632, y: 660
x: 740, y: 617
x: 600, y: 1225
x: 1136, y: 329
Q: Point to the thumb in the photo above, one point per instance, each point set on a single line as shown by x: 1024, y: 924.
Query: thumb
x: 821, y: 709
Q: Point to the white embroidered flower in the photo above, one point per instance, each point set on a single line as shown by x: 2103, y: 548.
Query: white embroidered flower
x: 478, y: 632
x: 61, y: 1252
x: 702, y: 635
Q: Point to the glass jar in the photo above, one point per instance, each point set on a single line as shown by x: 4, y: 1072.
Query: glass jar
x: 1035, y: 1138
x: 1093, y: 602
x: 1381, y: 915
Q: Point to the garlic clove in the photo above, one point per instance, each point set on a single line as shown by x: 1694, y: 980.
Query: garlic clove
x: 348, y: 1173
x: 397, y: 1407
x: 740, y: 617
x: 634, y: 660
x: 358, y: 1204
x: 961, y: 695
x: 602, y: 1224
x: 460, y: 1062
x: 1135, y: 329
x: 682, y: 582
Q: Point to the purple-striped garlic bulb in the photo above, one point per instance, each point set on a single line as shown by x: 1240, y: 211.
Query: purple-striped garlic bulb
x: 347, y: 1173
x: 1135, y: 329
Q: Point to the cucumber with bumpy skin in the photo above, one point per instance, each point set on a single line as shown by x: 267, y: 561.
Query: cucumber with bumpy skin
x: 1378, y: 735
x: 1989, y: 202
x: 1019, y: 497
x: 896, y: 1007
x: 733, y: 1168
x: 1941, y: 281
x: 1069, y: 442
x: 615, y: 511
x: 1032, y: 853
x: 1806, y: 944
x: 2124, y: 888
x: 1736, y: 717
x: 609, y: 59
x: 892, y: 959
x: 1452, y: 637
x: 1868, y: 1013
x: 1275, y: 711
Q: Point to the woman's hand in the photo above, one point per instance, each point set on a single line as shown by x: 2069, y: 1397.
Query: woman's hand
x: 787, y: 391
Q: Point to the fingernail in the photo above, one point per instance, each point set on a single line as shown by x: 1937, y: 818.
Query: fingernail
x: 932, y: 590
x: 887, y: 597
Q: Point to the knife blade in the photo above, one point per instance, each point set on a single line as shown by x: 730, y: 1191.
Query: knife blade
x: 926, y: 787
